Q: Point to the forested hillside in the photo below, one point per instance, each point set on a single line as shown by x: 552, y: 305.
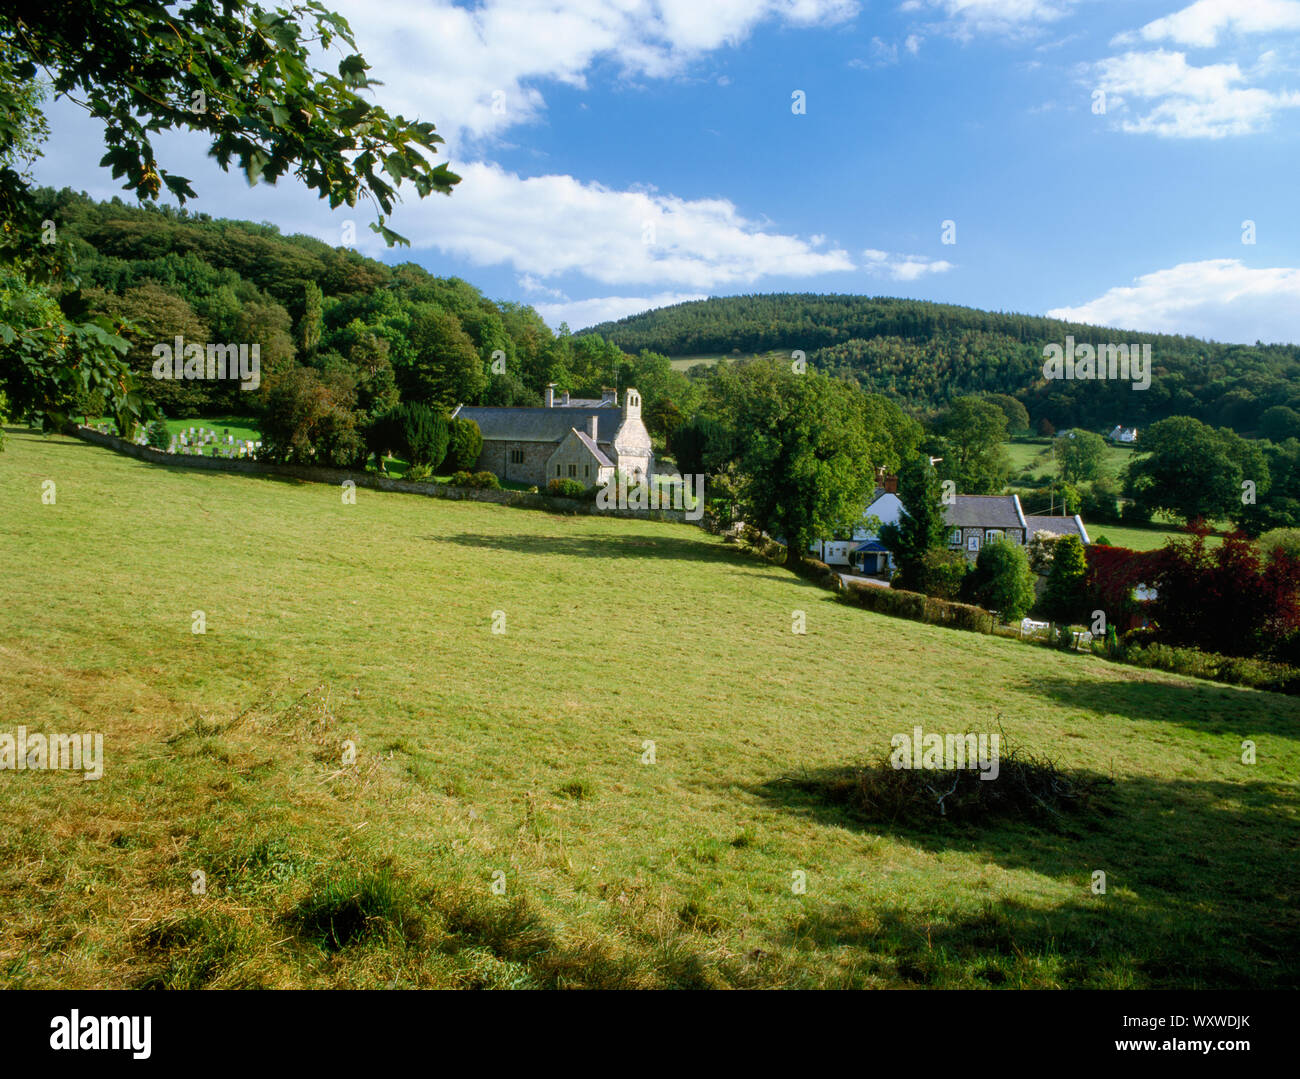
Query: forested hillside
x: 924, y: 354
x: 358, y: 326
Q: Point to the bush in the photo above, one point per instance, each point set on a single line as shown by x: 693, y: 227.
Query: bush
x: 1028, y: 787
x: 1288, y: 539
x: 419, y: 473
x: 415, y: 431
x: 810, y: 569
x: 940, y: 612
x: 1064, y: 597
x: 157, y: 435
x: 481, y: 481
x: 464, y: 444
x: 310, y: 419
x: 891, y: 601
x: 424, y: 434
x: 899, y: 603
x: 1002, y: 580
x: 942, y: 573
x: 565, y: 488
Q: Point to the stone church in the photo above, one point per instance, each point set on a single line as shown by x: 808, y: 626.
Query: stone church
x: 584, y: 440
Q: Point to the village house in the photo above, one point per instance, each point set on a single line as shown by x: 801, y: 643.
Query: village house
x: 1123, y: 434
x: 577, y: 439
x: 1058, y: 526
x: 863, y: 552
x: 974, y: 520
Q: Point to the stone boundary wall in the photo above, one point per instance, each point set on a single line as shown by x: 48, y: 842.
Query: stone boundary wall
x: 362, y: 478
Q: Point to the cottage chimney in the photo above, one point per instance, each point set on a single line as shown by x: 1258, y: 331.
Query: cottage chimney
x: 565, y: 399
x: 890, y: 484
x: 608, y: 395
x: 591, y: 427
x: 550, y: 395
x: 631, y: 405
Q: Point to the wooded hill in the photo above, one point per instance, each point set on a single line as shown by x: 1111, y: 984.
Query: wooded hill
x: 384, y: 330
x: 924, y: 354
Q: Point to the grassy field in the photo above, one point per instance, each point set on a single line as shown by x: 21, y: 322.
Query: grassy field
x: 1036, y: 457
x: 521, y: 757
x: 685, y: 363
x: 243, y: 428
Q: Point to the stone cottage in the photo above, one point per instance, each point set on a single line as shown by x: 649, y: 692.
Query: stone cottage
x: 974, y: 520
x: 585, y: 441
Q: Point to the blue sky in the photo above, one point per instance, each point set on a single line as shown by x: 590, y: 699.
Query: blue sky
x: 1096, y: 159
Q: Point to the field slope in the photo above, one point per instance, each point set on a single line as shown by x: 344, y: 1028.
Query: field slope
x: 232, y: 841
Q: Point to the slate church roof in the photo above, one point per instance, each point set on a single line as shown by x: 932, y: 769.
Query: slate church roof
x: 541, y: 424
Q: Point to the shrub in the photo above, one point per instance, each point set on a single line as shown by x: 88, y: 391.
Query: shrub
x: 942, y: 573
x: 310, y: 419
x: 940, y: 612
x: 890, y: 601
x: 415, y: 431
x: 477, y: 480
x: 1002, y: 580
x: 1028, y: 787
x: 424, y: 434
x: 419, y: 473
x: 1063, y: 598
x: 157, y: 435
x: 818, y: 572
x: 565, y: 488
x: 464, y: 444
x: 1287, y: 539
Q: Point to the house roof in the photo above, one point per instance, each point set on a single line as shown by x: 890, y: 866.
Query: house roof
x: 541, y: 424
x: 585, y: 438
x: 984, y: 511
x: 1058, y: 526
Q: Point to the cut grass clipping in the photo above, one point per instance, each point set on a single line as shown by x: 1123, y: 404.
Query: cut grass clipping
x: 1028, y: 787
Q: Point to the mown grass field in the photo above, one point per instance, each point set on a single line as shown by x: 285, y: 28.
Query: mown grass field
x: 1036, y: 457
x: 523, y: 754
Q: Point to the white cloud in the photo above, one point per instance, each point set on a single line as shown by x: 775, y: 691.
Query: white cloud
x: 580, y: 314
x: 531, y: 285
x: 913, y: 43
x: 966, y: 17
x: 1185, y: 101
x: 552, y: 225
x: 542, y: 226
x: 1222, y: 299
x: 902, y: 267
x: 473, y: 71
x: 1201, y: 24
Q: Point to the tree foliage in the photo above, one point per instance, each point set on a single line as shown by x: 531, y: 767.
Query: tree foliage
x: 921, y: 527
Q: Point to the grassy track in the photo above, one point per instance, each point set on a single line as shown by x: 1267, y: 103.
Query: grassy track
x: 522, y: 753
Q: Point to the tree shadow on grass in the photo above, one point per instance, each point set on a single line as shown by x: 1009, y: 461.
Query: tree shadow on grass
x: 1203, y: 881
x: 623, y: 545
x: 1208, y: 707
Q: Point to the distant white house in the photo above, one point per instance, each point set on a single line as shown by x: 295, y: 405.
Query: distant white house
x: 1123, y: 434
x: 863, y: 551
